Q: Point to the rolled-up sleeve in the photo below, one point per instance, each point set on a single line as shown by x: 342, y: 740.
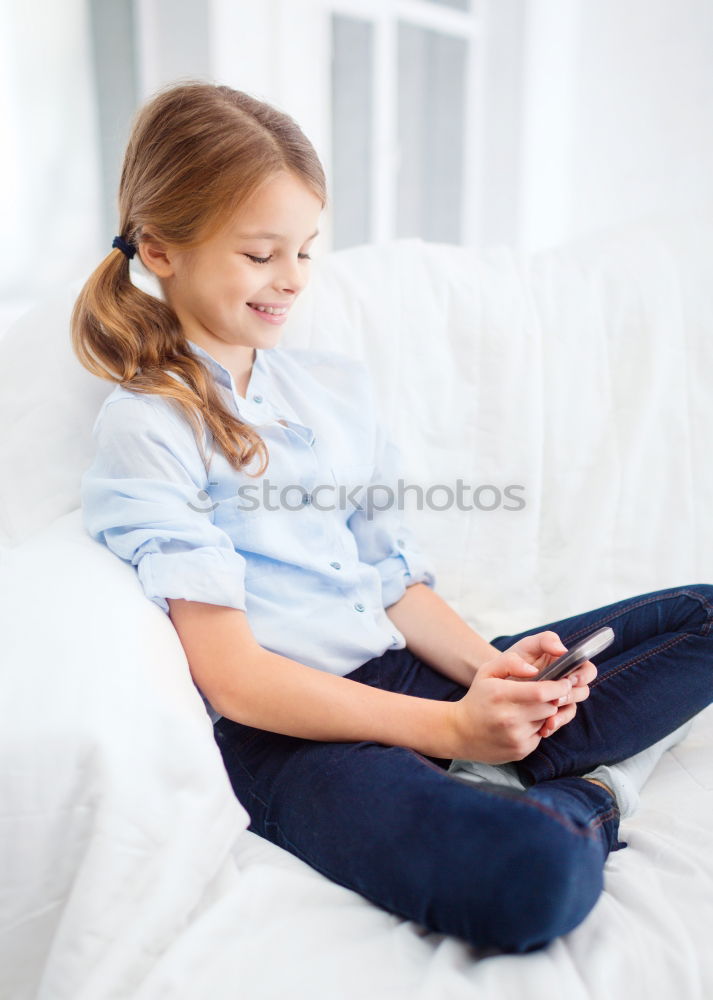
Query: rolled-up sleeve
x: 144, y: 497
x: 383, y: 538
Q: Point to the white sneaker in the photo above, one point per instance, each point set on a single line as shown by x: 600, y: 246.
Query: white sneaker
x: 628, y: 776
x: 625, y: 779
x: 495, y: 774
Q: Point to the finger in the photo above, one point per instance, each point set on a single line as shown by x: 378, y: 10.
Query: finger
x: 539, y: 714
x: 584, y: 674
x: 563, y: 716
x: 508, y: 664
x: 534, y: 710
x: 547, y: 728
x: 540, y: 691
x: 558, y: 705
x: 551, y: 714
x: 580, y: 693
x: 541, y: 642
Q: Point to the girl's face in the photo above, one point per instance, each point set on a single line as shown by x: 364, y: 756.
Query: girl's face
x: 261, y: 256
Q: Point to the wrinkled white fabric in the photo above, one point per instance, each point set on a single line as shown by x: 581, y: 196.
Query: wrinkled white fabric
x: 127, y: 870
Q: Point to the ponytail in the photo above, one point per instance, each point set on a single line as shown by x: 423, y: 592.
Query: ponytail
x: 124, y: 335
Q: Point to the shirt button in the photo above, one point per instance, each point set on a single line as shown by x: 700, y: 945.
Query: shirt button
x: 359, y: 607
x: 400, y: 542
x: 257, y: 399
x: 336, y: 565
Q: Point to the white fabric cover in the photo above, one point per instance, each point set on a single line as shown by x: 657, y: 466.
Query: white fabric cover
x: 127, y: 869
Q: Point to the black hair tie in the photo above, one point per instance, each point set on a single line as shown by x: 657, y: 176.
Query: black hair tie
x: 126, y: 248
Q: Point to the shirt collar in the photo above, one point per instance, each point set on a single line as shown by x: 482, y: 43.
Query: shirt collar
x: 259, y: 403
x: 256, y: 385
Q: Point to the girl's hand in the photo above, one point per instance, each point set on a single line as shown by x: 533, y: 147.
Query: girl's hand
x: 500, y: 719
x: 581, y: 678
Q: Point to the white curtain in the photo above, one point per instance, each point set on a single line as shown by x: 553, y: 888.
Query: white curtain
x: 49, y: 171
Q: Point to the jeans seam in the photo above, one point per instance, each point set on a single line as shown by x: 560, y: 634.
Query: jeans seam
x: 612, y: 813
x: 426, y: 761
x: 639, y: 659
x: 241, y: 765
x: 237, y: 760
x: 676, y: 592
x: 254, y: 795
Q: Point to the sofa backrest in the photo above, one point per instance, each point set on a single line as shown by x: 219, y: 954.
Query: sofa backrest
x: 582, y: 373
x: 572, y: 386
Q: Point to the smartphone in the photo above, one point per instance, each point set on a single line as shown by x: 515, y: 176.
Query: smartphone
x: 583, y: 650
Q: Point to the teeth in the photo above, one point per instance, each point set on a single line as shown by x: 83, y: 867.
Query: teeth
x: 269, y: 309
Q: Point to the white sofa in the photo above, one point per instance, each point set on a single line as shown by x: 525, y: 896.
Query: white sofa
x: 582, y: 374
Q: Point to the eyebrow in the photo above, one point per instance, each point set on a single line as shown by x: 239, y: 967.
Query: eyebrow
x: 271, y: 236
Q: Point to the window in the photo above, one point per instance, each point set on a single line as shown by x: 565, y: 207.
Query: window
x: 404, y: 122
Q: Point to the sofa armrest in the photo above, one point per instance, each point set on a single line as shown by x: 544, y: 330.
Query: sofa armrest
x: 116, y: 810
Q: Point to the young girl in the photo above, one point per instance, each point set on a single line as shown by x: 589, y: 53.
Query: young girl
x: 343, y: 689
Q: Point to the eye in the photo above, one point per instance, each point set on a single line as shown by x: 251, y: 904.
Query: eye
x: 264, y: 260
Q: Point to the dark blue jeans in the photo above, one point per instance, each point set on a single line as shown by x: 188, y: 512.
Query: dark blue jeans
x: 499, y: 868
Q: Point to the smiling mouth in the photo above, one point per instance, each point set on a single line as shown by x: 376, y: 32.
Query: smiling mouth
x: 270, y: 310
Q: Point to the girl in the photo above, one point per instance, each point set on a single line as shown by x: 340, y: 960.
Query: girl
x: 342, y: 688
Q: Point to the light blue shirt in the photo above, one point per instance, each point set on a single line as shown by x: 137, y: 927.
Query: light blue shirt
x: 314, y: 582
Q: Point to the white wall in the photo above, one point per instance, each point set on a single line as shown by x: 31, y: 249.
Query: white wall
x: 618, y: 99
x: 595, y: 113
x: 49, y: 167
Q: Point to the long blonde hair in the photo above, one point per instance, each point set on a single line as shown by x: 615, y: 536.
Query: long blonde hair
x: 197, y: 152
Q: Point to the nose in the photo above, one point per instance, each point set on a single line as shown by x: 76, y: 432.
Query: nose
x: 293, y: 277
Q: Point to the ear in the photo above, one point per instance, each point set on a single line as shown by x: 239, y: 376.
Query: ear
x: 156, y: 256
